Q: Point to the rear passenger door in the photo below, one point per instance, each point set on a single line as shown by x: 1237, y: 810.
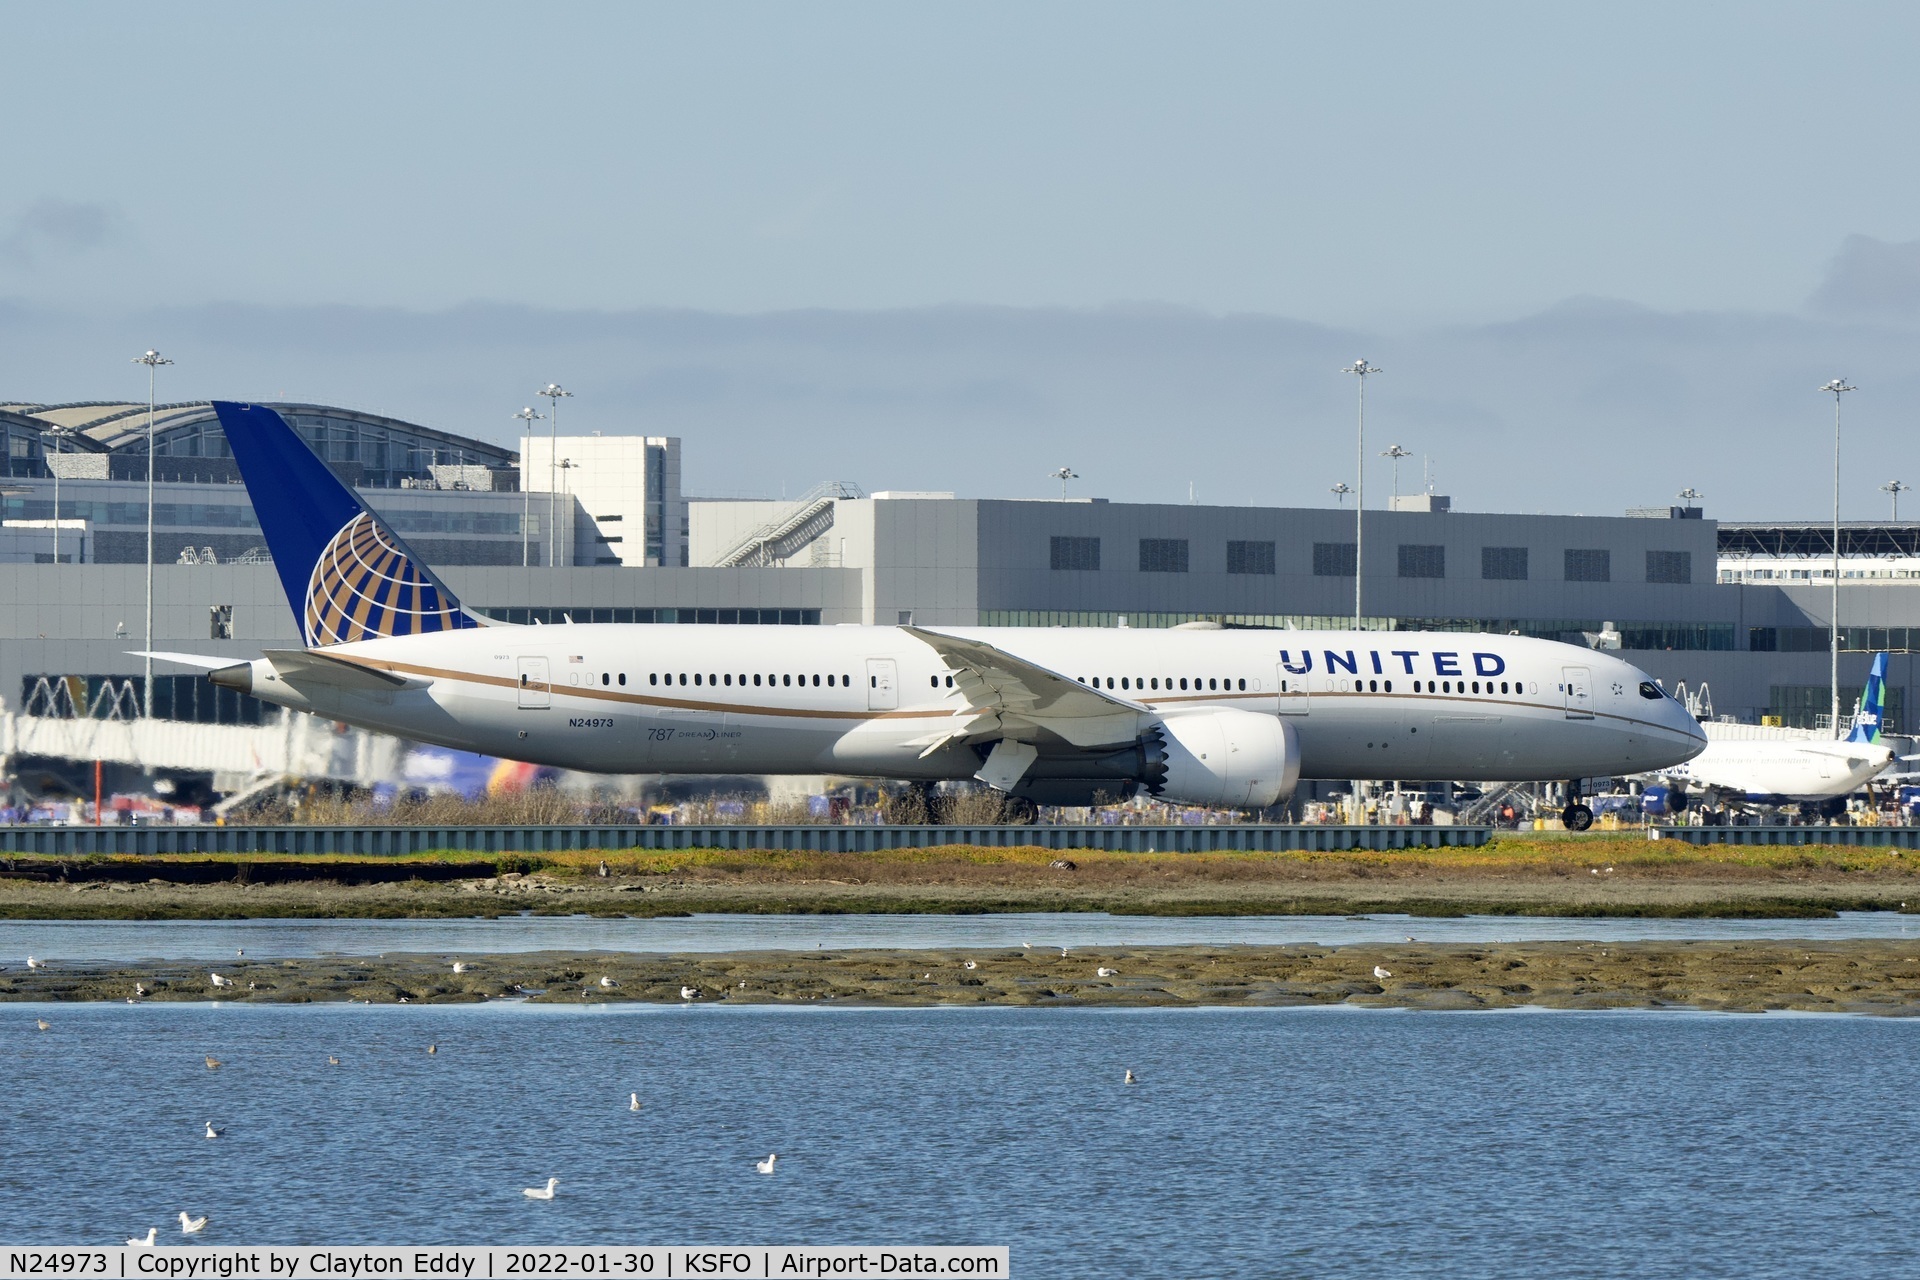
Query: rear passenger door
x: 535, y: 692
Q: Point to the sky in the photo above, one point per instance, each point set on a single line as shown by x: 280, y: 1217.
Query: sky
x: 1603, y: 252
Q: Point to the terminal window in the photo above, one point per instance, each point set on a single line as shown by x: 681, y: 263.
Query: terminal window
x: 1421, y: 561
x: 1334, y: 559
x: 1163, y: 555
x: 1669, y: 566
x: 1503, y: 564
x: 1250, y: 557
x: 1076, y: 553
x: 1589, y: 566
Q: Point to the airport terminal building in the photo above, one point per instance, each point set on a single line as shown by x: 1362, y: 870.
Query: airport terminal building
x: 596, y: 529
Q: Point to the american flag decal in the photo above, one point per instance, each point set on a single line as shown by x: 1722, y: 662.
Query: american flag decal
x: 366, y: 588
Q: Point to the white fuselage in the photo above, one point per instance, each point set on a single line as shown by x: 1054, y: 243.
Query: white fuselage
x: 865, y: 701
x: 1765, y: 771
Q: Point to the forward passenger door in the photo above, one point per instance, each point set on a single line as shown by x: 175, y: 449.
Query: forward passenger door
x: 1577, y: 682
x: 1293, y: 692
x: 883, y: 693
x: 535, y: 693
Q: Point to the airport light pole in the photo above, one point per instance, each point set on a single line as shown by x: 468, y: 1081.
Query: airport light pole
x: 1360, y: 369
x: 529, y: 416
x: 1838, y: 387
x: 1689, y: 494
x: 1340, y: 492
x: 1063, y: 475
x: 1895, y: 488
x: 554, y: 393
x: 566, y: 465
x: 1396, y: 453
x: 153, y: 360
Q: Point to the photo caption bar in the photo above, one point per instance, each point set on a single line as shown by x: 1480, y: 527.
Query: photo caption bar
x: 667, y: 1262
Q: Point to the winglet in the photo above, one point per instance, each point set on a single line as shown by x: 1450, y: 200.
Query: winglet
x: 346, y: 574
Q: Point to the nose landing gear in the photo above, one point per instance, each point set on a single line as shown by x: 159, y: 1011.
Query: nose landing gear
x: 1576, y: 816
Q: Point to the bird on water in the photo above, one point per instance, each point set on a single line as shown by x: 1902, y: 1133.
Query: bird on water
x: 1130, y: 1079
x: 214, y: 1063
x: 633, y: 1102
x: 433, y: 1048
x: 191, y: 1226
x: 541, y: 1193
x: 766, y: 1166
x: 213, y: 1132
x: 135, y: 1242
x: 43, y: 1024
x: 332, y: 1061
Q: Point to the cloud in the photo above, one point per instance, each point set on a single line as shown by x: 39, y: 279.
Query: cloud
x: 50, y: 227
x: 1871, y: 277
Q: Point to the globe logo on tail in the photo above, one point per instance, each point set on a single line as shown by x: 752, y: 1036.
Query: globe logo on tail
x: 364, y: 587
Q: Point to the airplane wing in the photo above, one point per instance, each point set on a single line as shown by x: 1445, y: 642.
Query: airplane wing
x: 308, y: 666
x: 1008, y: 697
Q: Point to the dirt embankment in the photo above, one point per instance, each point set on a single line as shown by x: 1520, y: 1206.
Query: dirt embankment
x: 1591, y: 875
x: 1881, y: 977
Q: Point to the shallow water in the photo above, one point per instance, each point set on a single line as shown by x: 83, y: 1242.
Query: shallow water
x: 128, y: 940
x: 1259, y: 1142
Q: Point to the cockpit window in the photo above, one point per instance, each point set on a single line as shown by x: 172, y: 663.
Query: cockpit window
x: 1648, y: 689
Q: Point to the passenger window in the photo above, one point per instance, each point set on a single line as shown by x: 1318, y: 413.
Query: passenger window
x: 1373, y: 686
x: 829, y: 682
x: 726, y: 679
x: 846, y: 682
x: 683, y: 677
x: 786, y: 680
x: 949, y: 682
x: 933, y: 682
x: 623, y: 677
x: 1389, y: 686
x: 816, y: 682
x: 1123, y: 682
x: 756, y: 682
x: 1503, y: 686
x: 1109, y: 682
x: 1183, y: 682
x: 696, y: 677
x: 653, y: 677
x: 1243, y: 683
x: 1476, y: 686
x: 1156, y: 682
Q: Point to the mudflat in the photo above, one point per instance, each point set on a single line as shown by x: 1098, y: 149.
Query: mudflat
x: 1877, y: 977
x: 1598, y: 875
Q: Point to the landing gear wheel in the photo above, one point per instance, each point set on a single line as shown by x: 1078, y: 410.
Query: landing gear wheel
x: 1019, y: 811
x: 1576, y: 817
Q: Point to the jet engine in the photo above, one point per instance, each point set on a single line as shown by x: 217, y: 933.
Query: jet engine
x: 1238, y: 759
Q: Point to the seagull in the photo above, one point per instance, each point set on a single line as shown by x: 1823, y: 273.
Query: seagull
x: 970, y: 965
x: 1381, y: 973
x: 332, y: 1061
x: 35, y: 964
x: 1130, y: 1079
x: 239, y: 951
x: 135, y: 1242
x: 213, y: 1062
x: 689, y: 993
x: 1026, y: 946
x: 765, y: 1166
x: 605, y: 981
x: 541, y: 1193
x: 219, y: 981
x: 190, y: 1226
x: 460, y: 966
x: 139, y: 989
x: 1105, y: 972
x: 633, y: 1102
x: 213, y: 1132
x: 433, y: 1048
x: 43, y: 1024
x: 1063, y: 953
x: 1410, y: 938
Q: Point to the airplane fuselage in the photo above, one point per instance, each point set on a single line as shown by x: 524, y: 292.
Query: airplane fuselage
x: 866, y: 701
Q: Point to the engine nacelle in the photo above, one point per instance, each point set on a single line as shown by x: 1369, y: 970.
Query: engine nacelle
x: 1236, y: 759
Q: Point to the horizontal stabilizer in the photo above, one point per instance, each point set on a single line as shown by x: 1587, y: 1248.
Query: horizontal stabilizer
x: 305, y: 666
x: 203, y: 661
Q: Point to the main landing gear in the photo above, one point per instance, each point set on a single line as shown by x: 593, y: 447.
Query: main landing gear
x: 1576, y: 816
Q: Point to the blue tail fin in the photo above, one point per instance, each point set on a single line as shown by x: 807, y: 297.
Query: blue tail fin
x: 1866, y: 719
x: 347, y: 576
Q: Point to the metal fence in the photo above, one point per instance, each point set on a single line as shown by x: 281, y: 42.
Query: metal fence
x: 390, y: 841
x: 1864, y: 837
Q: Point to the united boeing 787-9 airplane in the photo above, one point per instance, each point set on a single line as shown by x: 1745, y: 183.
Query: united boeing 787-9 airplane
x: 1055, y: 715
